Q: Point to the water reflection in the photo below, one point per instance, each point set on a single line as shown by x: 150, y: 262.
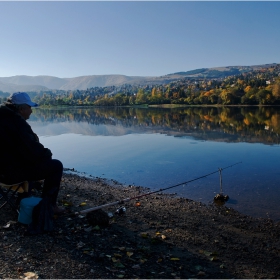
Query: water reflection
x: 203, y: 139
x: 227, y: 124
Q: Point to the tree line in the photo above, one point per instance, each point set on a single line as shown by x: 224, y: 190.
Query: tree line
x: 259, y: 87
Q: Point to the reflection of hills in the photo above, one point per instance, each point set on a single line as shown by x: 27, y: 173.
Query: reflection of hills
x: 216, y: 124
x: 82, y: 128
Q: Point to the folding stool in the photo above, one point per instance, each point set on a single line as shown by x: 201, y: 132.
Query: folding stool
x: 9, y: 194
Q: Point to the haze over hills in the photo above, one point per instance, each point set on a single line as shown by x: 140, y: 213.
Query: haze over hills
x: 37, y: 83
x: 10, y: 87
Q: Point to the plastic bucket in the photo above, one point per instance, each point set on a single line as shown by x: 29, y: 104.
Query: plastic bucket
x: 26, y: 208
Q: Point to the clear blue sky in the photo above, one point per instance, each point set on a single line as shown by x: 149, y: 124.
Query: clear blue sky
x: 69, y: 39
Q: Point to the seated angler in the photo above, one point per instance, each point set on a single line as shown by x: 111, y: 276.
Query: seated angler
x: 23, y: 157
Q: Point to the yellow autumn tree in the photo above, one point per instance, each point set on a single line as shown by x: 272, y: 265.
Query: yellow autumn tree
x: 276, y: 89
x: 247, y: 89
x: 154, y: 90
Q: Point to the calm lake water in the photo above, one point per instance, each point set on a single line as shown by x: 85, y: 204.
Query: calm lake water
x: 158, y: 148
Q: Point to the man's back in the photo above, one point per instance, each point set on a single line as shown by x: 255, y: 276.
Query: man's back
x: 18, y: 144
x: 9, y: 145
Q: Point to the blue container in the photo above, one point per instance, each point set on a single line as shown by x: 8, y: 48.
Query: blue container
x: 26, y: 208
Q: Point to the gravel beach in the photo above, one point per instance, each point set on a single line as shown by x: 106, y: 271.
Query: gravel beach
x: 159, y: 236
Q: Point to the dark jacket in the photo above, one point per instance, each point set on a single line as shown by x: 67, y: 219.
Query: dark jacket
x: 19, y: 145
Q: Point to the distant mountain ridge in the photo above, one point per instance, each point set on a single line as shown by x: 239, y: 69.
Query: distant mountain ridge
x: 35, y: 83
x: 221, y: 72
x: 40, y: 83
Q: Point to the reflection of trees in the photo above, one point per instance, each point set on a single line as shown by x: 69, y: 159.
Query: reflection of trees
x: 254, y: 124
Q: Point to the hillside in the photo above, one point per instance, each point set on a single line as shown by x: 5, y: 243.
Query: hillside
x: 219, y: 72
x: 10, y: 87
x: 37, y: 83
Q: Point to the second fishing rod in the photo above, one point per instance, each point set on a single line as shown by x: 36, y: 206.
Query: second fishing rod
x: 152, y: 192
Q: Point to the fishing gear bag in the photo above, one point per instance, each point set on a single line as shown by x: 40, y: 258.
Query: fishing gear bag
x: 42, y: 217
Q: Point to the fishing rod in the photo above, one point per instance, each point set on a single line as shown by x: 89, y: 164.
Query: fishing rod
x: 149, y: 193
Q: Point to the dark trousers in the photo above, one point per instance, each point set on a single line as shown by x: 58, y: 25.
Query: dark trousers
x: 50, y: 171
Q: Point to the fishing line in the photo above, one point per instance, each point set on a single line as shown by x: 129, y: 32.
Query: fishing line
x: 156, y: 191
